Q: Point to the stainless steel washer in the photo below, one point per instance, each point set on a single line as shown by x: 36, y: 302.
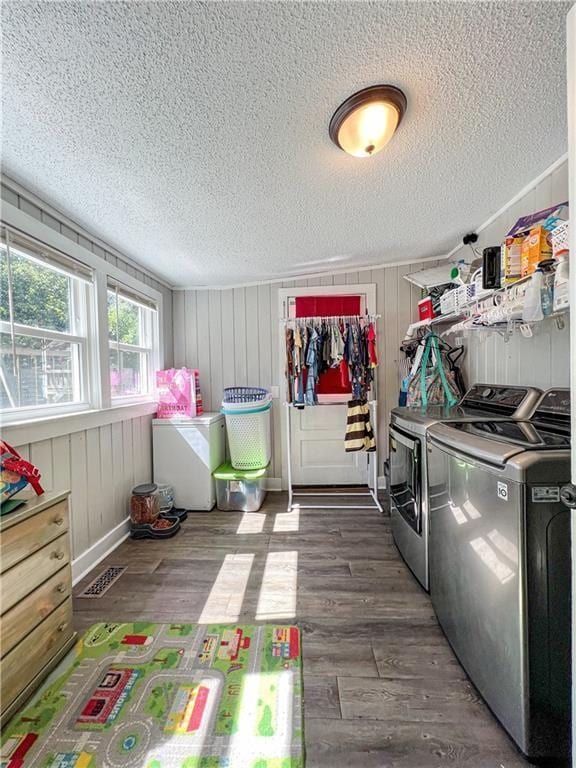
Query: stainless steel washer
x: 500, y: 566
x: 408, y: 491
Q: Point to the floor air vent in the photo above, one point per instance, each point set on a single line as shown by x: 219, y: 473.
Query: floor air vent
x: 103, y: 581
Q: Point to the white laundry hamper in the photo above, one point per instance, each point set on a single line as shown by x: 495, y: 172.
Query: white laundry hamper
x: 247, y: 412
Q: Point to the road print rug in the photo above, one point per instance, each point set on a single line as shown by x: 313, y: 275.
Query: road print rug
x: 167, y: 696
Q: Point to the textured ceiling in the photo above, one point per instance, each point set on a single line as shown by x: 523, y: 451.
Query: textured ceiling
x: 194, y: 136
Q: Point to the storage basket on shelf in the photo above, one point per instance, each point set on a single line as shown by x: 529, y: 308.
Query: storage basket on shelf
x: 247, y: 412
x: 560, y: 239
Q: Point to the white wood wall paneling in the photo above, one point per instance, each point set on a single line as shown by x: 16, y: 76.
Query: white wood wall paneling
x: 79, y: 496
x: 203, y: 330
x: 100, y: 466
x: 106, y: 501
x: 191, y: 325
x: 180, y: 330
x: 240, y: 337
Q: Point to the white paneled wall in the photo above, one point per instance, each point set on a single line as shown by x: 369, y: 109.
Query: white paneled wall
x: 100, y: 466
x: 544, y: 360
x: 231, y: 336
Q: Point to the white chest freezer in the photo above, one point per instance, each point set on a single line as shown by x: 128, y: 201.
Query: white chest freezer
x: 186, y: 452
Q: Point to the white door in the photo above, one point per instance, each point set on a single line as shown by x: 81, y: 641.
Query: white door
x: 318, y: 455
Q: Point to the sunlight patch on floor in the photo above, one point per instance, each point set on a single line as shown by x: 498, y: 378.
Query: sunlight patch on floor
x: 224, y: 602
x: 279, y: 589
x: 252, y: 522
x: 287, y: 522
x: 265, y: 721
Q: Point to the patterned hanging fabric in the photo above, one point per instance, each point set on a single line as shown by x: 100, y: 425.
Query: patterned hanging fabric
x: 359, y: 433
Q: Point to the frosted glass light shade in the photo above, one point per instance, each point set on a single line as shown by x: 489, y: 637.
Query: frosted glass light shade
x: 366, y: 122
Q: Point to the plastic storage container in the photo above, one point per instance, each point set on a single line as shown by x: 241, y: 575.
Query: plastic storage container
x: 248, y: 426
x: 562, y: 284
x: 425, y: 309
x: 146, y: 522
x: 145, y: 504
x: 166, y: 493
x: 532, y: 311
x: 240, y: 490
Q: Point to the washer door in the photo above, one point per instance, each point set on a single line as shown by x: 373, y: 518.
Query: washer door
x: 405, y: 477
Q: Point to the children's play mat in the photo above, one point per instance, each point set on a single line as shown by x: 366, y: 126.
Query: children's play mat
x: 167, y: 696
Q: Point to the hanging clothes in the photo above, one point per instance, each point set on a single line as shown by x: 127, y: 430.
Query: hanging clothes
x: 312, y: 365
x: 289, y: 370
x: 316, y: 345
x: 359, y: 432
x: 336, y: 346
x: 298, y: 354
x: 372, y: 354
x: 354, y: 356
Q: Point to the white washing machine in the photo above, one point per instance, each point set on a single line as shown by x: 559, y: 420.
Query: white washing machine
x: 185, y: 453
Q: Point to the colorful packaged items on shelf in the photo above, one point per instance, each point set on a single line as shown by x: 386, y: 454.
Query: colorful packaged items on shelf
x: 178, y: 392
x: 535, y: 248
x: 425, y: 309
x: 529, y: 241
x: 548, y: 218
x: 512, y: 257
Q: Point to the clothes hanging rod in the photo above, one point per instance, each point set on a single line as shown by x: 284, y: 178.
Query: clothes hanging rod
x: 328, y: 317
x: 302, y: 406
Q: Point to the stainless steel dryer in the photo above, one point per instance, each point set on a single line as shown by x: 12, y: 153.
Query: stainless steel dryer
x: 408, y: 490
x: 500, y: 566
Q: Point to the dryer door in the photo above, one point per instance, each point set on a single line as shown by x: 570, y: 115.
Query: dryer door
x: 406, y: 477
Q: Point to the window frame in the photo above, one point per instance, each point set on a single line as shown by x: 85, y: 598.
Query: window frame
x: 150, y: 332
x: 98, y: 374
x: 81, y: 306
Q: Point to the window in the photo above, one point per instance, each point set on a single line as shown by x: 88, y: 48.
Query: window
x: 44, y: 309
x: 132, y: 329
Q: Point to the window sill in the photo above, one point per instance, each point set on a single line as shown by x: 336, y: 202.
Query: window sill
x: 33, y: 430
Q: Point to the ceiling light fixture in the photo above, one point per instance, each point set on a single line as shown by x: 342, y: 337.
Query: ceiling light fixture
x: 367, y: 120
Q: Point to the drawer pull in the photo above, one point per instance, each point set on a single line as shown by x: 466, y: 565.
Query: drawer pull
x: 58, y: 555
x: 62, y: 627
x: 58, y: 520
x: 61, y: 588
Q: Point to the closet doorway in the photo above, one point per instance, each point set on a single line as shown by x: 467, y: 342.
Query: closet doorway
x: 317, y: 432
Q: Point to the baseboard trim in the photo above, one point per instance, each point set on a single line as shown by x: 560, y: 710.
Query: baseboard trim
x: 273, y: 483
x: 382, y: 481
x: 84, y: 563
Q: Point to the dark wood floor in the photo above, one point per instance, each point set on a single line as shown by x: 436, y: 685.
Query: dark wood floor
x: 382, y: 687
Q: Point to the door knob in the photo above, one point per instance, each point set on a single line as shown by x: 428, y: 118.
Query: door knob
x: 568, y: 495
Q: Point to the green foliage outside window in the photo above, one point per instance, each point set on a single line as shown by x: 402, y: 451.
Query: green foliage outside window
x: 40, y: 296
x: 125, y: 322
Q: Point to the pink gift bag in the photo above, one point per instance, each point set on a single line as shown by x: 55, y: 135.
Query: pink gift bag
x: 178, y: 390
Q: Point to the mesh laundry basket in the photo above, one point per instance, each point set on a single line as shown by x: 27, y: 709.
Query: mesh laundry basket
x: 248, y: 428
x: 245, y: 394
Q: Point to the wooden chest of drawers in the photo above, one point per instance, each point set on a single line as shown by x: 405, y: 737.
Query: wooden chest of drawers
x: 36, y: 627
